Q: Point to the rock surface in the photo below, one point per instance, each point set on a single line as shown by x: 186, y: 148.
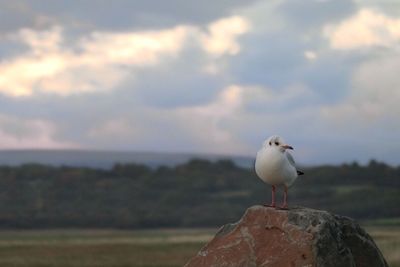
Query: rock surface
x: 295, y: 237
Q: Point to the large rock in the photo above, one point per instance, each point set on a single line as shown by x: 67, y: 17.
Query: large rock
x: 295, y: 237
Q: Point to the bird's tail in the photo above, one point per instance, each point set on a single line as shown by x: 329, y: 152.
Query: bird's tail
x: 300, y: 172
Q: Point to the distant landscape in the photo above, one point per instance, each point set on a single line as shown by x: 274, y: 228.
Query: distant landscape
x: 103, y: 159
x: 197, y: 193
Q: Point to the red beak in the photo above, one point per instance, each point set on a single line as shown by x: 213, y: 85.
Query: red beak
x: 287, y: 147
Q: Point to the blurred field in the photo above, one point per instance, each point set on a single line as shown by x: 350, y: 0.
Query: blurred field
x: 388, y: 240
x: 112, y: 248
x: 109, y: 248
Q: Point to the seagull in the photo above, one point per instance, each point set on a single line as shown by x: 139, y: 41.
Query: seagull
x: 275, y: 166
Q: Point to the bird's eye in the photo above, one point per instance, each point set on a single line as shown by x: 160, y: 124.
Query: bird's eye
x: 277, y: 143
x: 270, y: 143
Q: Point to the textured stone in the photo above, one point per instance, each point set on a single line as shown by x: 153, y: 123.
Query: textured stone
x: 295, y: 237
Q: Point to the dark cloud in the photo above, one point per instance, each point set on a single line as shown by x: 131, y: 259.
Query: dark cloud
x: 270, y: 60
x: 163, y: 88
x: 309, y: 14
x: 177, y: 83
x: 389, y: 7
x: 278, y: 61
x: 329, y: 77
x: 113, y: 15
x: 18, y: 14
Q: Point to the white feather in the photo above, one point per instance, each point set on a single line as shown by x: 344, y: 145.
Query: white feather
x: 274, y: 165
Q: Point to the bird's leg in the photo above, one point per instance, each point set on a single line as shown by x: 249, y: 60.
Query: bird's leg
x: 285, y: 193
x: 273, y: 198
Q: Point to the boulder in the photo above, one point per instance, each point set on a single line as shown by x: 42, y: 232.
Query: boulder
x: 299, y: 236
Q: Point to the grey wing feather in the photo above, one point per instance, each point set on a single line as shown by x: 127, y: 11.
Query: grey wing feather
x: 291, y: 160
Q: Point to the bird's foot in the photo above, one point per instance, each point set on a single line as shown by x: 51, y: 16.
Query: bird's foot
x: 272, y: 205
x: 283, y: 207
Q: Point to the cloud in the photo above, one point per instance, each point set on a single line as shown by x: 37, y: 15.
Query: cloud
x: 222, y: 35
x: 367, y: 28
x: 17, y: 14
x: 206, y: 78
x: 227, y: 123
x: 97, y: 65
x: 121, y: 15
x: 17, y: 133
x: 366, y: 120
x: 205, y: 123
x: 234, y: 121
x: 194, y: 128
x: 142, y: 48
x: 374, y: 94
x: 310, y: 55
x: 308, y: 14
x: 101, y: 60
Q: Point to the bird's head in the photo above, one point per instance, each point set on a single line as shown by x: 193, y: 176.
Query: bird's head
x: 277, y: 142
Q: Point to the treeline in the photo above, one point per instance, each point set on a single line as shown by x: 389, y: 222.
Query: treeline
x: 198, y: 193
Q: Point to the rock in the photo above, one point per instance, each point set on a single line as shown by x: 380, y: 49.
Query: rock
x: 295, y: 237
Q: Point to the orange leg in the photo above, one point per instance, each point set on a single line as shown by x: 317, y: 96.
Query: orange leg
x: 285, y: 195
x: 273, y: 198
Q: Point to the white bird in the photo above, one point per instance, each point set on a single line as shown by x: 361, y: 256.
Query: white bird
x: 275, y: 166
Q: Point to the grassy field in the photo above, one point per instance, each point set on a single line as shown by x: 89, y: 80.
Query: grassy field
x: 109, y: 248
x: 388, y: 240
x: 112, y: 248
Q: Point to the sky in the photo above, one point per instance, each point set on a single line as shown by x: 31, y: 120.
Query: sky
x: 203, y: 76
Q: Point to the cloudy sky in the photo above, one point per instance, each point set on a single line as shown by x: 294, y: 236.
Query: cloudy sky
x: 202, y: 76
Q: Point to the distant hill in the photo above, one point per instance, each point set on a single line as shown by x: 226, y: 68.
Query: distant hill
x: 198, y: 193
x: 106, y: 159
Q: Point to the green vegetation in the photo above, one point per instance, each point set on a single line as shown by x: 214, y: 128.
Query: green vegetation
x: 196, y: 194
x: 117, y: 248
x: 383, y: 222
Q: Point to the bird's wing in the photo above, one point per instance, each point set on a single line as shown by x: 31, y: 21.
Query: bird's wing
x: 291, y: 161
x: 290, y: 158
